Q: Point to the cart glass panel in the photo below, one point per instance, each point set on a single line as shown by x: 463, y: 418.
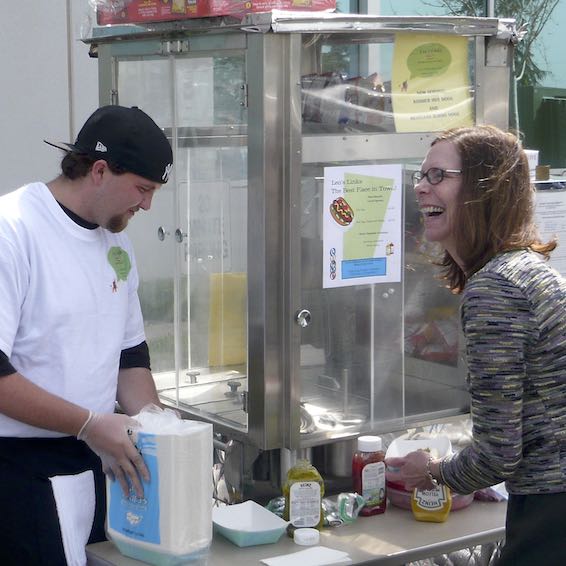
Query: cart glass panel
x: 196, y: 317
x: 147, y: 82
x: 418, y: 82
x: 383, y: 342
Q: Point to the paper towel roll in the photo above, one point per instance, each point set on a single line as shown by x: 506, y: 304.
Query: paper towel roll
x: 174, y: 519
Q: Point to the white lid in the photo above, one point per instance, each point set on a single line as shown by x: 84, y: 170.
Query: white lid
x: 369, y: 443
x: 306, y: 536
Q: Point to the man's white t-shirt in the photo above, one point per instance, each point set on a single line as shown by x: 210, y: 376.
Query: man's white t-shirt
x: 69, y: 303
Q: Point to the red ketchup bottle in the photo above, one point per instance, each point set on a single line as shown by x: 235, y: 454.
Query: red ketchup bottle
x: 368, y: 472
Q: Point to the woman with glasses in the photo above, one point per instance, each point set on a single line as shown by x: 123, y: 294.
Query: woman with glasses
x: 477, y: 202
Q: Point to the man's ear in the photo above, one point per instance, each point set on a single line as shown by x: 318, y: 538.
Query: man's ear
x: 98, y: 169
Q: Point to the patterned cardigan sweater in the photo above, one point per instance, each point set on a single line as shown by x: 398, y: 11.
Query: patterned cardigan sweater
x: 514, y: 321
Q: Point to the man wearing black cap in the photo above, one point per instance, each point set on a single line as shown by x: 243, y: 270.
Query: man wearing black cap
x: 72, y: 341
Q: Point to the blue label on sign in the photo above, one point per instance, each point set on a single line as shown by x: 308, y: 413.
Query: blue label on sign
x: 133, y: 516
x: 369, y: 267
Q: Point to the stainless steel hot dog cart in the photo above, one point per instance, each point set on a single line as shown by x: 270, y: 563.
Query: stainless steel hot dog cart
x: 290, y: 327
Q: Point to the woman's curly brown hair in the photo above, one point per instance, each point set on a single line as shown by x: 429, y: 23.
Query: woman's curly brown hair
x: 496, y: 198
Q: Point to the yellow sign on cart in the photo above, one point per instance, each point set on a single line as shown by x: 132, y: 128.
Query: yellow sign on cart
x: 430, y: 84
x: 227, y: 337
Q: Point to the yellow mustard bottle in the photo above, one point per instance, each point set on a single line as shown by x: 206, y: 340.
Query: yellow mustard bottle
x: 303, y: 491
x: 431, y: 505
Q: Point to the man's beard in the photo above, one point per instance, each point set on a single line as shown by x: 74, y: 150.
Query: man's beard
x: 117, y: 223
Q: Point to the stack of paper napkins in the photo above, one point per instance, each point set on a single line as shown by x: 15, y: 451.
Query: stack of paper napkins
x: 315, y: 556
x: 172, y: 523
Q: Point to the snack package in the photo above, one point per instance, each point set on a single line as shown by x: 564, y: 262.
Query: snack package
x: 113, y: 12
x: 144, y: 11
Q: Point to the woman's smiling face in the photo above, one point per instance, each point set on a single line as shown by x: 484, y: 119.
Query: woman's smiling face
x: 438, y: 202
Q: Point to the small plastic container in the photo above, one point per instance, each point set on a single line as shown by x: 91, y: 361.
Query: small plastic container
x: 306, y: 536
x: 368, y: 472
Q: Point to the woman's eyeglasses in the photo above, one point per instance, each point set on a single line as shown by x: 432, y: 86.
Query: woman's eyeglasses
x: 434, y: 175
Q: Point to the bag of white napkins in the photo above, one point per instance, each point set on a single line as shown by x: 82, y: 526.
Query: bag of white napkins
x: 172, y: 523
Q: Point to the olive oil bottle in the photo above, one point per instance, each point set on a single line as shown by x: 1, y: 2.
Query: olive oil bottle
x: 303, y: 491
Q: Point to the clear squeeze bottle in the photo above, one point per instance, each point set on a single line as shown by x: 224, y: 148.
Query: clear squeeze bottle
x: 303, y: 491
x: 368, y: 472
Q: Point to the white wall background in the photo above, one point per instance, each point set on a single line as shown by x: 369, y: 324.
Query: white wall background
x: 49, y: 85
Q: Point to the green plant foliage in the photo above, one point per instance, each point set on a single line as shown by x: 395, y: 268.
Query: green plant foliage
x: 531, y: 15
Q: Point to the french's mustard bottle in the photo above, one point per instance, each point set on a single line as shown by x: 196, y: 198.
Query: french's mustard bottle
x: 432, y: 505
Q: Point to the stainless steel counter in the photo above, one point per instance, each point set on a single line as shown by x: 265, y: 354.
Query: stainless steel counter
x: 393, y: 538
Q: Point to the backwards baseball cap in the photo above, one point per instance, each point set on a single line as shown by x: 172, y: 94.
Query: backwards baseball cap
x: 126, y: 137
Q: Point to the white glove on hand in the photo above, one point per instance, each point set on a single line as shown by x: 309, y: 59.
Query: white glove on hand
x: 108, y: 435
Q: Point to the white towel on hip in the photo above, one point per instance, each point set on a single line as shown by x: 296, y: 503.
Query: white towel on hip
x: 75, y: 500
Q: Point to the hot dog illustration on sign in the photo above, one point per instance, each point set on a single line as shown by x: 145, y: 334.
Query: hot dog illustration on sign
x: 341, y: 211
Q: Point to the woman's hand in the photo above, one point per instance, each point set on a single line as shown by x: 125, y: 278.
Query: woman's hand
x: 411, y: 470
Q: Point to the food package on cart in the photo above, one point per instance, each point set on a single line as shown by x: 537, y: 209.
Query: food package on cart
x: 146, y: 11
x: 172, y: 523
x: 239, y: 8
x: 117, y: 12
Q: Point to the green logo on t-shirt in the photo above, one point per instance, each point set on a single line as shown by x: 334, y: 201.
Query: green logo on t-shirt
x: 120, y: 262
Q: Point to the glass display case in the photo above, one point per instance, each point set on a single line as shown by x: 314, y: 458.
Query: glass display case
x: 282, y: 305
